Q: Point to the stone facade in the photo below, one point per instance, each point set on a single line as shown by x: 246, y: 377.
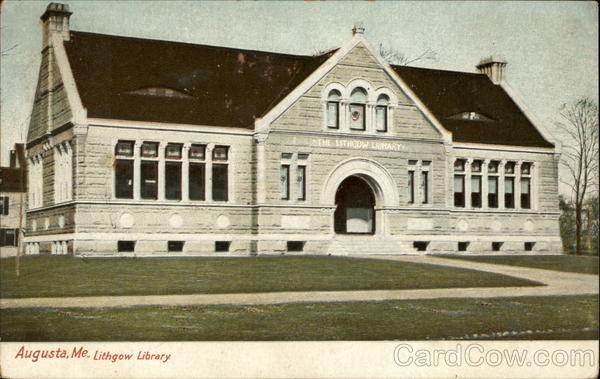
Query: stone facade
x: 256, y: 218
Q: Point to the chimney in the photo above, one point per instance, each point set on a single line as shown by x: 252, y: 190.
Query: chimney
x: 358, y: 29
x: 55, y: 20
x: 493, y: 68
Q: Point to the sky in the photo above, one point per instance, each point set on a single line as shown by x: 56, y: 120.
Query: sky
x: 551, y: 47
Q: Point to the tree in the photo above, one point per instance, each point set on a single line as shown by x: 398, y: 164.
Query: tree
x: 393, y: 56
x: 580, y: 155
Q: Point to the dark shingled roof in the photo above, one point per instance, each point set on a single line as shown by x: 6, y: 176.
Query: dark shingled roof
x: 448, y: 93
x: 232, y: 87
x: 226, y: 87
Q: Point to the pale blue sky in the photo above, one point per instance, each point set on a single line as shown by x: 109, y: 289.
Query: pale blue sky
x: 551, y: 47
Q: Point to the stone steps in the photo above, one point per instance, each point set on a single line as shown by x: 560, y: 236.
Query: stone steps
x: 365, y: 245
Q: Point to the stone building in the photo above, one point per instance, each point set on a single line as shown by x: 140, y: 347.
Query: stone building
x: 13, y: 185
x: 147, y: 147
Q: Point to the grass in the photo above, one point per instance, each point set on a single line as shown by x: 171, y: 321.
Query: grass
x: 567, y: 263
x: 528, y: 318
x: 67, y: 276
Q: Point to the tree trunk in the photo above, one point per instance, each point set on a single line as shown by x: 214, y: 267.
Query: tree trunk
x: 577, y: 229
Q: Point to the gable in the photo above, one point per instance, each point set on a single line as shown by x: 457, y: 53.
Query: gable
x: 357, y: 68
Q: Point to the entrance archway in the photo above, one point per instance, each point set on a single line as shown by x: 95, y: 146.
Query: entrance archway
x: 355, y: 207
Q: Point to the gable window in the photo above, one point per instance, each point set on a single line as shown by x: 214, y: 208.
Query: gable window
x: 526, y: 185
x: 220, y: 177
x: 381, y: 113
x: 358, y: 99
x: 410, y: 189
x: 424, y: 187
x: 333, y: 109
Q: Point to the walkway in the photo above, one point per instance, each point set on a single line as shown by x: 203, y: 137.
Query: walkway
x: 556, y: 284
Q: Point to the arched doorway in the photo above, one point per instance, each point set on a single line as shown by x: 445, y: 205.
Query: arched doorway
x: 355, y: 207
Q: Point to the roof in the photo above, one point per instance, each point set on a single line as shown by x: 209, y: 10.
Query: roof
x: 449, y: 93
x: 228, y: 87
x: 215, y: 85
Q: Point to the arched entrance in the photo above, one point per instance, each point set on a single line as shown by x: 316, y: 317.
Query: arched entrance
x: 355, y: 207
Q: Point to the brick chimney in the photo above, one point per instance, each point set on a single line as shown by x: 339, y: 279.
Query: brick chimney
x: 493, y: 68
x: 55, y: 20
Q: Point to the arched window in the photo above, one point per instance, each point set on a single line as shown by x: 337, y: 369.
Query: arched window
x: 358, y: 99
x: 381, y: 113
x: 333, y: 109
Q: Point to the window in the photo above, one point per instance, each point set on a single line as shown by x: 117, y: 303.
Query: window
x: 9, y: 237
x: 13, y: 158
x: 525, y: 168
x: 197, y: 152
x: 509, y: 168
x: 220, y: 153
x: 476, y: 166
x: 509, y: 189
x: 125, y: 246
x: 357, y: 109
x: 175, y: 246
x: 124, y: 179
x: 284, y: 181
x: 381, y: 111
x: 301, y: 182
x: 302, y: 156
x: 173, y: 151
x: 496, y: 246
x: 124, y: 148
x: 525, y: 193
x: 222, y: 246
x: 493, y: 167
x: 4, y: 205
x: 463, y: 246
x: 197, y: 181
x: 333, y: 109
x: 420, y: 245
x: 173, y: 180
x: 476, y: 191
x: 459, y: 190
x: 149, y: 150
x: 295, y: 245
x: 493, y: 191
x: 424, y: 187
x: 286, y: 155
x: 411, y: 187
x: 220, y: 182
x: 149, y: 173
x: 529, y: 246
x: 459, y: 165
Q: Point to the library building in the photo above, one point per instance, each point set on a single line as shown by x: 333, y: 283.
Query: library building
x: 140, y: 147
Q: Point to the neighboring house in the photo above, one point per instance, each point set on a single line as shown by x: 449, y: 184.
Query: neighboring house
x: 13, y: 186
x: 147, y: 147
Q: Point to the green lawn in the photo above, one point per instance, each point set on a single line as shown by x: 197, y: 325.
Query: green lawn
x: 567, y: 263
x: 67, y: 276
x: 504, y: 318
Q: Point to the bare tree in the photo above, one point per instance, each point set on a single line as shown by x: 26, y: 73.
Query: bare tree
x: 580, y: 155
x: 393, y: 56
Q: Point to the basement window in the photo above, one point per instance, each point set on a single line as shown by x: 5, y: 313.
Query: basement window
x: 529, y: 246
x: 175, y: 246
x: 222, y: 246
x: 126, y: 246
x: 295, y: 246
x: 420, y: 245
x: 463, y: 246
x: 496, y: 246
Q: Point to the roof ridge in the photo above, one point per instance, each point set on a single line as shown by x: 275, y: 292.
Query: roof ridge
x: 437, y: 69
x: 191, y: 44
